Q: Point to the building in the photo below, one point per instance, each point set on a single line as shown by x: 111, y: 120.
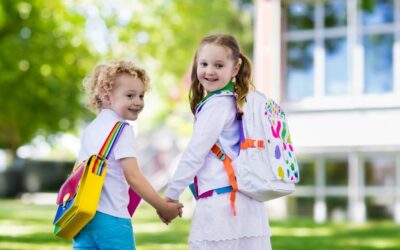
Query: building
x: 334, y: 66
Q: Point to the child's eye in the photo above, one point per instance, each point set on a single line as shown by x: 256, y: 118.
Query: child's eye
x: 203, y: 64
x: 141, y: 97
x: 130, y: 96
x: 218, y: 66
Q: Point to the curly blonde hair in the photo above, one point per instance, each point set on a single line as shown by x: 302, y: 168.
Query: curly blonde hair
x: 244, y: 81
x: 101, y: 81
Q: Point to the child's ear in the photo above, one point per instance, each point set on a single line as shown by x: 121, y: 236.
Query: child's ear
x: 236, y: 70
x: 106, y: 99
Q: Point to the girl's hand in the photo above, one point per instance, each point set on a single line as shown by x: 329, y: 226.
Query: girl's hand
x: 170, y: 211
x: 175, y: 201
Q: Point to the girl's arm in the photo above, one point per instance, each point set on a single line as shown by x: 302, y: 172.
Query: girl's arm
x: 139, y: 183
x: 211, y: 121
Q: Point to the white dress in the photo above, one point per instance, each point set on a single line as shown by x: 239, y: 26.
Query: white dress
x: 213, y: 224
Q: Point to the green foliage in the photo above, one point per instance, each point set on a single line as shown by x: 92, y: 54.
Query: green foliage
x: 367, y: 5
x: 162, y: 37
x: 43, y: 58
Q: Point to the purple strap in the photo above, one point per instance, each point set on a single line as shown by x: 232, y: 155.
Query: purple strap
x: 203, y: 195
x: 134, y: 200
x: 241, y: 129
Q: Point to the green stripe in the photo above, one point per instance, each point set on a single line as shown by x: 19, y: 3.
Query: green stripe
x: 228, y: 88
x: 115, y: 133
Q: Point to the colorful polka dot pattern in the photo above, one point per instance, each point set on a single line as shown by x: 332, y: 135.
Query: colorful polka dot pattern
x: 280, y: 146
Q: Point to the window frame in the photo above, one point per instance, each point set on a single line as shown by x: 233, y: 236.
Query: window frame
x: 353, y: 33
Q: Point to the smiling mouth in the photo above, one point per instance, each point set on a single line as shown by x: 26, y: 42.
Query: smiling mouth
x: 134, y: 110
x: 211, y: 79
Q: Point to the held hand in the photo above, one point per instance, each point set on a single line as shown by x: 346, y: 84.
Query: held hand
x: 175, y: 201
x: 170, y: 211
x: 165, y: 221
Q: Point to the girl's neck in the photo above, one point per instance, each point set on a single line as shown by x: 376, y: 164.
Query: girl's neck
x: 227, y: 88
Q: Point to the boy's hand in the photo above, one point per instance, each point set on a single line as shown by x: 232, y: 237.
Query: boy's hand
x: 177, y: 202
x: 170, y: 211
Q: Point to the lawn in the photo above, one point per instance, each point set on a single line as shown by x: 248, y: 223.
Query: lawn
x: 24, y: 226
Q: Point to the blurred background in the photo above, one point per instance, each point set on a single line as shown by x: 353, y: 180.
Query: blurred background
x: 333, y: 65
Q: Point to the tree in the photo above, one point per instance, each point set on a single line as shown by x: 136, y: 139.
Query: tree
x: 162, y: 36
x: 43, y: 58
x: 44, y: 55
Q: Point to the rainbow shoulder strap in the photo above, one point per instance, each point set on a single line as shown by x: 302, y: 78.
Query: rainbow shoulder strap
x: 108, y: 145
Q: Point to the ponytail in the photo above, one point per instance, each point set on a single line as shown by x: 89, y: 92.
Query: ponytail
x: 244, y: 81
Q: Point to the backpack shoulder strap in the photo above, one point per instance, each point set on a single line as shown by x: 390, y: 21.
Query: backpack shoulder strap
x: 227, y: 162
x: 112, y: 139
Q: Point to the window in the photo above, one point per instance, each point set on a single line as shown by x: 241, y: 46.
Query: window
x: 378, y: 63
x: 336, y: 172
x: 379, y: 13
x: 337, y: 208
x: 335, y: 14
x: 379, y: 208
x: 300, y: 70
x: 322, y: 47
x: 336, y: 75
x: 307, y: 173
x: 378, y: 43
x: 301, y: 16
x: 380, y: 172
x: 304, y: 206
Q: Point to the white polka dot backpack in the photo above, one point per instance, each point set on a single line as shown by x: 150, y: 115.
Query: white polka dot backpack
x: 266, y: 167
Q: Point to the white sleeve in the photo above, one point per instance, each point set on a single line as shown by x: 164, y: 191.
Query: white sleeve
x: 209, y: 124
x: 126, y: 144
x: 82, y: 155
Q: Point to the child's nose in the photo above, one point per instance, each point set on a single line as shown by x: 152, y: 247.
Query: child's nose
x: 137, y: 101
x: 209, y: 71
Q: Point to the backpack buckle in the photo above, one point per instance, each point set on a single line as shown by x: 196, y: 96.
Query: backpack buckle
x: 221, y: 155
x: 219, y: 152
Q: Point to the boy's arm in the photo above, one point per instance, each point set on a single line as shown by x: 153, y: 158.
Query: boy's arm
x: 141, y: 186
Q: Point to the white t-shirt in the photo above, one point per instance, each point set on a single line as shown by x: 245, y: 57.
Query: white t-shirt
x: 114, y: 197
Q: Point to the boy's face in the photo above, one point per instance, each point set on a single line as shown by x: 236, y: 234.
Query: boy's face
x: 215, y: 67
x: 127, y: 97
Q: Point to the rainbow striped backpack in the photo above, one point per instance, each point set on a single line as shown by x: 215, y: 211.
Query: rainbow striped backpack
x: 266, y: 167
x: 79, y: 196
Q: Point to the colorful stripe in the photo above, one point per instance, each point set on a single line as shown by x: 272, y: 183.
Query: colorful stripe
x: 229, y: 88
x: 116, y: 135
x: 107, y: 147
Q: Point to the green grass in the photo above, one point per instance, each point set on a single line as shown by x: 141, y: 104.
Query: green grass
x: 29, y: 227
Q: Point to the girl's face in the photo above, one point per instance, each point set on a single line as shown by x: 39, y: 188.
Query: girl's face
x: 215, y: 67
x: 126, y: 97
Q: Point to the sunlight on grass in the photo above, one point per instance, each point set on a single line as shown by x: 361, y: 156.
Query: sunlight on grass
x: 302, y: 231
x: 150, y: 227
x: 10, y: 228
x: 32, y: 230
x: 163, y: 247
x: 376, y: 243
x: 29, y: 246
x: 29, y: 227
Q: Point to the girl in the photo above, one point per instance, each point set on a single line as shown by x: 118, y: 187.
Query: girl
x: 116, y: 92
x: 223, y: 219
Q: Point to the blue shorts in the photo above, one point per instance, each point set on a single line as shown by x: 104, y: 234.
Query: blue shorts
x: 106, y: 232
